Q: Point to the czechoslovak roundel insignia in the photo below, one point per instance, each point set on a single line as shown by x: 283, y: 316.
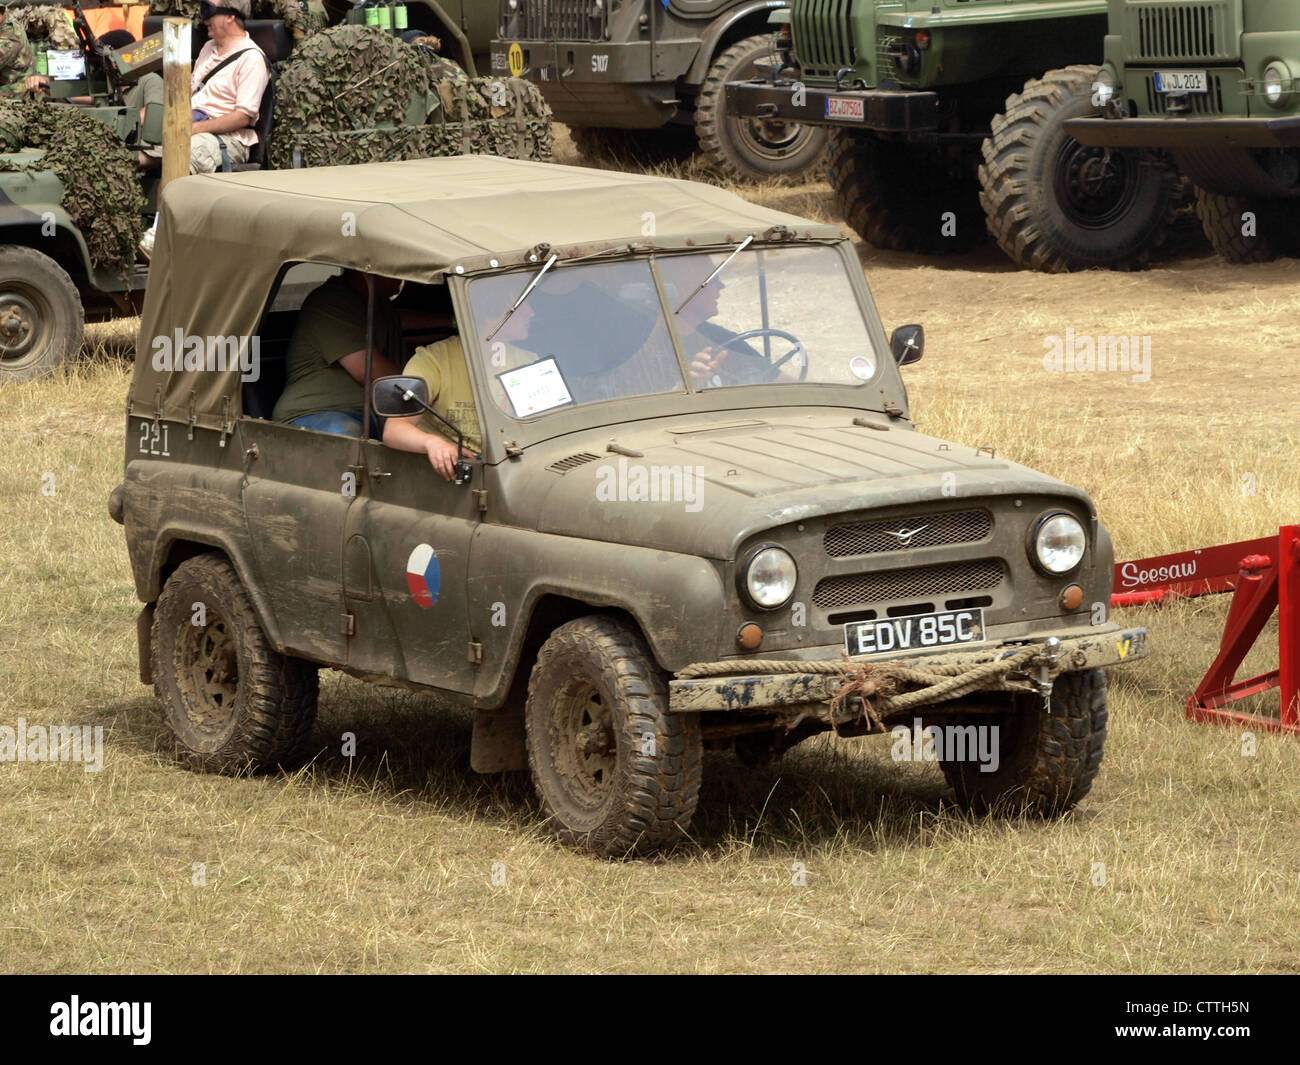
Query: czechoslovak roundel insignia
x: 423, y: 575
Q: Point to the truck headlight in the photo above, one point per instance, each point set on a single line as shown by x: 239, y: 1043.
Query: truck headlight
x: 1276, y: 82
x: 1058, y: 543
x: 1103, y: 87
x: 768, y: 577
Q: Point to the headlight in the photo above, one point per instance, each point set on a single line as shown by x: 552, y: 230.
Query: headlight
x: 1277, y: 79
x: 1059, y: 543
x: 1103, y: 87
x: 768, y: 578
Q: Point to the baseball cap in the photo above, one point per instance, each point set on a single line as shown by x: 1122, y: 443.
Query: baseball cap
x: 240, y: 8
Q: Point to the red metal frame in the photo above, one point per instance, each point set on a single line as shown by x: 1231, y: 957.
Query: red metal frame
x: 1267, y: 578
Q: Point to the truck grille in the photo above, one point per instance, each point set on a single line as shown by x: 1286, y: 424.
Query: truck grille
x: 920, y: 582
x: 873, y: 537
x: 563, y: 20
x: 1203, y: 103
x: 823, y: 36
x: 1160, y: 30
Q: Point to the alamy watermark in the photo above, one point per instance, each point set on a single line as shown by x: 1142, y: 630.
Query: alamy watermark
x: 1084, y: 354
x: 75, y: 1017
x: 635, y: 483
x: 216, y: 354
x: 55, y: 743
x: 949, y: 743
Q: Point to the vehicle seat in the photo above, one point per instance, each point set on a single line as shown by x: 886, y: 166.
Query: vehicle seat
x: 265, y: 123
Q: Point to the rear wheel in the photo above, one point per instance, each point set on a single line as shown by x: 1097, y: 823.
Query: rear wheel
x: 41, y: 317
x: 1055, y: 205
x: 752, y: 149
x: 1046, y: 761
x: 230, y: 701
x: 615, y: 771
x: 1247, y: 230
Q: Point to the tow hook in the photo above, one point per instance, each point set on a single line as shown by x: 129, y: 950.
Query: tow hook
x: 1046, y: 660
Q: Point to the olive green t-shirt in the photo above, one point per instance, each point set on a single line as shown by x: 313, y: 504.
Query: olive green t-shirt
x: 442, y: 365
x: 331, y: 324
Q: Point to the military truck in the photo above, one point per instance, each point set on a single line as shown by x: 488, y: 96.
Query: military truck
x: 1213, y: 84
x: 645, y: 78
x: 697, y: 488
x: 54, y: 274
x: 948, y: 119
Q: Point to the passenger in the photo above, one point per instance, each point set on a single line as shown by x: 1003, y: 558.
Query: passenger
x: 325, y: 386
x: 112, y: 40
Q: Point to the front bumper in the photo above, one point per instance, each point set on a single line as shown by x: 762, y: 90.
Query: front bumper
x: 884, y: 110
x: 764, y: 693
x: 1198, y: 131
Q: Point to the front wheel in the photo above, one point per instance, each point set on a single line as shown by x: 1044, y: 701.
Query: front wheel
x: 1053, y: 204
x: 1046, y: 760
x: 41, y: 317
x: 614, y: 770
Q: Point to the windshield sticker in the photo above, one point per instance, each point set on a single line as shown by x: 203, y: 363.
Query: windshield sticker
x: 863, y: 368
x: 536, y: 387
x: 424, y: 575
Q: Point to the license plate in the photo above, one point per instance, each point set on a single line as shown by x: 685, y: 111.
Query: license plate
x: 844, y: 107
x: 920, y: 631
x: 1181, y: 81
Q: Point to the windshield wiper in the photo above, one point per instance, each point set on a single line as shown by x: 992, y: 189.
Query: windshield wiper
x: 524, y: 295
x: 721, y: 266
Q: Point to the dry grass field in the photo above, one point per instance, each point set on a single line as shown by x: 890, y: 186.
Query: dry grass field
x: 403, y: 860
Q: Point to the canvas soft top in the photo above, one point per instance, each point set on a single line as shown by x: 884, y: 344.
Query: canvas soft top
x: 223, y: 238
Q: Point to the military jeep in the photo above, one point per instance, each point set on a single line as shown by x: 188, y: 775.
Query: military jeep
x: 701, y: 516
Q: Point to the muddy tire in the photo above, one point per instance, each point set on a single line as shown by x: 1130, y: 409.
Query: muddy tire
x: 230, y: 701
x: 634, y: 147
x: 751, y: 149
x: 1277, y: 226
x: 41, y: 317
x: 1053, y: 204
x: 1047, y: 762
x: 901, y: 197
x: 615, y: 772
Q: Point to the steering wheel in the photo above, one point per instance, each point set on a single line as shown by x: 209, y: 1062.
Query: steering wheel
x: 798, y: 348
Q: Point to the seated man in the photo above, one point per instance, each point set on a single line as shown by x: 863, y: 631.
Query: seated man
x: 229, y: 77
x: 325, y: 386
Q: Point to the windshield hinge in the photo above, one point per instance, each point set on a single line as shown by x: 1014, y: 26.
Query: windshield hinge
x: 480, y: 496
x: 475, y: 653
x: 349, y: 627
x: 513, y: 450
x: 893, y: 409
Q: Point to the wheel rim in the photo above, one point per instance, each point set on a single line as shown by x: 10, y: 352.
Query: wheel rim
x: 584, y: 743
x: 772, y: 139
x: 209, y: 677
x: 1094, y: 186
x: 25, y: 321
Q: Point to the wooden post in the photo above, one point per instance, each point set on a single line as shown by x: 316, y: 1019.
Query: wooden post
x: 176, y: 99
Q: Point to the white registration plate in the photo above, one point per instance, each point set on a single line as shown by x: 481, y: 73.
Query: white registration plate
x: 918, y: 632
x: 844, y: 107
x: 1181, y: 81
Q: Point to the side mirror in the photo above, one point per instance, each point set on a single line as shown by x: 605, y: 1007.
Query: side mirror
x: 151, y: 129
x: 399, y: 397
x: 907, y: 343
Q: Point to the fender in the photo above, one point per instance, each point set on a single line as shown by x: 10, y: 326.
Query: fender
x: 717, y: 29
x: 29, y: 224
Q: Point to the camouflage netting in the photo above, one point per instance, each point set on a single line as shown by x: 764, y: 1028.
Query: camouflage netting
x: 357, y: 94
x: 101, y: 191
x: 45, y: 24
x: 299, y: 22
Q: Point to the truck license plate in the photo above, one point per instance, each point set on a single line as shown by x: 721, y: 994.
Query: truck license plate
x: 941, y: 629
x: 1181, y: 81
x: 844, y: 107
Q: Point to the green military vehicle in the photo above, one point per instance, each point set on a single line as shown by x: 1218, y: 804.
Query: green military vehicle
x: 698, y: 487
x: 948, y: 119
x: 1213, y: 84
x: 68, y: 233
x: 644, y: 79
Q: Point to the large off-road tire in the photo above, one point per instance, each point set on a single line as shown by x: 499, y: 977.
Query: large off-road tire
x: 41, y: 317
x: 906, y: 197
x: 1047, y: 761
x: 753, y: 149
x: 615, y: 771
x: 1053, y: 204
x: 634, y: 147
x: 1276, y: 226
x: 231, y: 702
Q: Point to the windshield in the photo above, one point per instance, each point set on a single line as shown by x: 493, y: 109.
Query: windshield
x: 599, y: 331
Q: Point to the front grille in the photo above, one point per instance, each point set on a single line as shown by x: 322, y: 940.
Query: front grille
x: 920, y: 582
x: 563, y: 20
x: 1158, y: 30
x: 1203, y: 103
x: 872, y: 537
x: 823, y: 36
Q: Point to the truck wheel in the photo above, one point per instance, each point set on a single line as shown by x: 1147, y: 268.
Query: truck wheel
x: 231, y: 702
x: 634, y: 147
x: 1053, y: 204
x: 1276, y: 226
x: 41, y: 318
x: 1047, y: 761
x: 615, y: 771
x: 905, y: 197
x: 752, y: 149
